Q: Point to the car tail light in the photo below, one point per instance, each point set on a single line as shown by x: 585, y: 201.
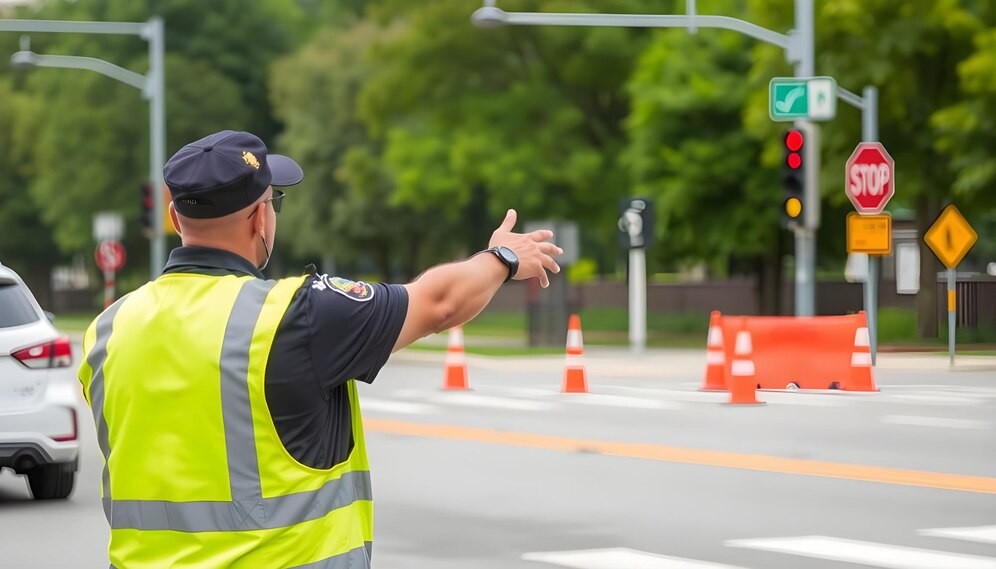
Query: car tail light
x: 57, y: 353
x: 72, y: 436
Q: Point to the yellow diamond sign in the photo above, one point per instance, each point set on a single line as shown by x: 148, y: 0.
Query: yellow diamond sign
x: 950, y: 237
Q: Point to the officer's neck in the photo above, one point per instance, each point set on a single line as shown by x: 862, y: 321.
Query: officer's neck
x: 245, y: 250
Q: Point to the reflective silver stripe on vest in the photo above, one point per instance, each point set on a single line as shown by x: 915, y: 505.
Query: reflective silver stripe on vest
x: 247, y: 510
x: 95, y: 359
x: 358, y: 558
x: 281, y: 511
x: 240, y: 440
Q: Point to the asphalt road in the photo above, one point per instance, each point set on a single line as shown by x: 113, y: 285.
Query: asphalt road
x: 644, y: 473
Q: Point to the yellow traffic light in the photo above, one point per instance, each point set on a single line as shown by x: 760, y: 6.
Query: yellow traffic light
x: 793, y: 207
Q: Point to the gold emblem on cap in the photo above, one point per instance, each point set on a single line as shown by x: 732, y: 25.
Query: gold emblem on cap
x: 250, y: 159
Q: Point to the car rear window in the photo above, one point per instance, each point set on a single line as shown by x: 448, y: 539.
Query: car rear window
x: 15, y: 308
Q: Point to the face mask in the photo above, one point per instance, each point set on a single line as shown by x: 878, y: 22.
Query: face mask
x: 268, y: 253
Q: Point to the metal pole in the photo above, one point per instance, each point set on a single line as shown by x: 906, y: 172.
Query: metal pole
x: 951, y: 315
x: 108, y: 288
x: 157, y: 141
x: 805, y: 235
x: 638, y: 299
x: 869, y: 133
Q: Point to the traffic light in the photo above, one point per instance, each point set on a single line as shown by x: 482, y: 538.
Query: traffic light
x: 794, y: 176
x: 146, y: 213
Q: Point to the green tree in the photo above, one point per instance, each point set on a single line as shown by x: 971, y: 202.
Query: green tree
x: 88, y: 149
x: 343, y: 208
x: 478, y: 120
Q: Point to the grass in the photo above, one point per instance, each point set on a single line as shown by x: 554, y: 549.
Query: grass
x: 74, y: 322
x: 495, y: 350
x: 609, y: 327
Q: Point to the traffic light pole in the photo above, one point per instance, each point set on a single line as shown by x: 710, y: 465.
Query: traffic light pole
x: 805, y: 234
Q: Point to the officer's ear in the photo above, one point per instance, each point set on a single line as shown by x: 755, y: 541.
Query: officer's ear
x: 260, y: 218
x: 174, y: 220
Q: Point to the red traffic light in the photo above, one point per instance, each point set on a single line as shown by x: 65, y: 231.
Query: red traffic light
x: 793, y: 141
x: 793, y: 160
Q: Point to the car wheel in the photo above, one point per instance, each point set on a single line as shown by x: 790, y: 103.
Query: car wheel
x: 51, y: 481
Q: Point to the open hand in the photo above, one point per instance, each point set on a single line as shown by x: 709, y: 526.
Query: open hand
x: 535, y: 251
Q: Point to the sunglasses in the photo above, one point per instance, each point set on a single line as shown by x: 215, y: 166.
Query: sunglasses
x: 277, y: 199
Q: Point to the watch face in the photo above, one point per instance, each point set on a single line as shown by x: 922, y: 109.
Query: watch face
x: 508, y: 255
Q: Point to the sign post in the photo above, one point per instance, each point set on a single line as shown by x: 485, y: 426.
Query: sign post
x: 869, y: 176
x: 110, y: 256
x: 636, y: 225
x: 951, y: 237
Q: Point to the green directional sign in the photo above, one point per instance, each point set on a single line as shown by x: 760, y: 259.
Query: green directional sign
x: 792, y: 98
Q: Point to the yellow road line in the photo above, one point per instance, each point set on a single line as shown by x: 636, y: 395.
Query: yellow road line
x: 758, y: 462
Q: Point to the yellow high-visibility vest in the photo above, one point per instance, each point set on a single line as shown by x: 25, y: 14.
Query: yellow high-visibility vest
x: 194, y: 472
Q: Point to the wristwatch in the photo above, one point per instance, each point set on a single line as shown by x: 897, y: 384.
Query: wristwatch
x: 507, y: 256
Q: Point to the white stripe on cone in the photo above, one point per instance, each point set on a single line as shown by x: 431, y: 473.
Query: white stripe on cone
x: 861, y: 339
x: 715, y: 358
x: 574, y: 339
x: 455, y: 358
x: 715, y: 337
x: 574, y: 360
x: 456, y: 337
x: 861, y: 359
x: 743, y: 346
x: 742, y: 368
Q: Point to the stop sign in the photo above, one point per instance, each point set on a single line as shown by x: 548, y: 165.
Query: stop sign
x: 870, y: 177
x: 110, y: 256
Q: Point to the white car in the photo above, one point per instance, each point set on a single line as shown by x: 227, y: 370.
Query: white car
x: 38, y: 424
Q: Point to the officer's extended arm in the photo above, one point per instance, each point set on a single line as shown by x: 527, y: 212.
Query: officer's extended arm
x: 451, y: 294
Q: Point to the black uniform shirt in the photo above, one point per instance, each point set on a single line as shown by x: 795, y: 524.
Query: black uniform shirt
x: 334, y: 330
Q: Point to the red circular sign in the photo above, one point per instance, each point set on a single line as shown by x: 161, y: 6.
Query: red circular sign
x: 870, y: 177
x: 110, y: 256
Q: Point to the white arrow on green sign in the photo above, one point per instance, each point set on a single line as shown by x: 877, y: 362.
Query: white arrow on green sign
x: 792, y: 98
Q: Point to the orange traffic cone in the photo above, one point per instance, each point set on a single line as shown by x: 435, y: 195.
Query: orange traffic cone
x: 743, y: 384
x: 715, y: 359
x: 455, y: 376
x: 575, y: 375
x: 860, y: 378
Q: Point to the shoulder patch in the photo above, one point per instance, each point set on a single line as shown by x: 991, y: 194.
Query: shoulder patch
x: 358, y: 291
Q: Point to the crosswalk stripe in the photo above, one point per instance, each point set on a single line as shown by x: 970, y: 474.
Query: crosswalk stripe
x: 866, y: 553
x: 942, y: 422
x: 376, y: 405
x: 981, y: 534
x: 772, y: 397
x: 488, y: 401
x: 619, y: 558
x: 939, y: 398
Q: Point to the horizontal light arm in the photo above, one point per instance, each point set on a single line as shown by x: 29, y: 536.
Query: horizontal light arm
x: 492, y: 16
x: 106, y: 68
x: 65, y: 26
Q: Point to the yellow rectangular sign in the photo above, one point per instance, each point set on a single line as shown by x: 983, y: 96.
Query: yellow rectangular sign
x: 871, y: 234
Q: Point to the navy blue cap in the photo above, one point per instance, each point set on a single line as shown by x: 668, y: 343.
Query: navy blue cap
x: 225, y: 172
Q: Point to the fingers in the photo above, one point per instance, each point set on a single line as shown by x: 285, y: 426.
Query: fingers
x: 550, y: 265
x: 509, y: 222
x: 544, y: 279
x: 540, y: 235
x: 550, y: 249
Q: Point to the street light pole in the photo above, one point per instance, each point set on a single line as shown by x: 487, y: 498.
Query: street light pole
x: 157, y: 139
x: 152, y: 86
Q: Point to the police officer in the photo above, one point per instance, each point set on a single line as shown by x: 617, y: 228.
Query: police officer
x: 226, y: 404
